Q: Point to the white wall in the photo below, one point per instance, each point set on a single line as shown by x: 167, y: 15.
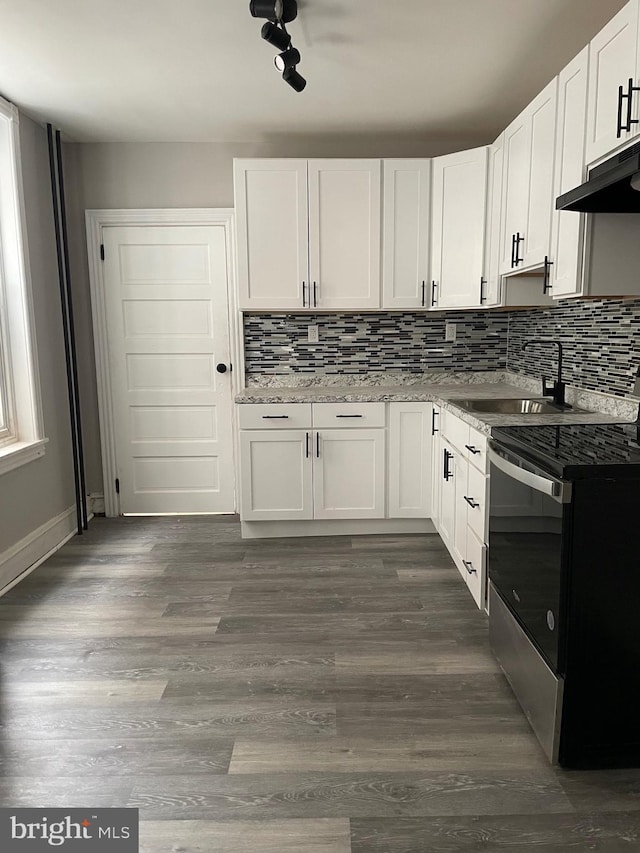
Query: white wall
x: 33, y: 494
x: 183, y: 174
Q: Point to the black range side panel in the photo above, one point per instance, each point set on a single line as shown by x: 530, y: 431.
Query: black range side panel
x: 601, y: 714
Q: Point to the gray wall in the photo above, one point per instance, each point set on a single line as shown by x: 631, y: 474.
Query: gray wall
x: 35, y: 493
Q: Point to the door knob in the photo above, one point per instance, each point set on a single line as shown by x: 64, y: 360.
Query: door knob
x: 221, y: 368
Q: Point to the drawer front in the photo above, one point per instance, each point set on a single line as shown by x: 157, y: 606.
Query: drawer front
x: 455, y: 430
x: 476, y: 448
x: 274, y: 415
x: 344, y: 415
x: 475, y: 568
x: 477, y: 503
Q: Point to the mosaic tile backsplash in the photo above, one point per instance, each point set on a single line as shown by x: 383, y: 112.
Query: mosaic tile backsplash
x: 601, y: 341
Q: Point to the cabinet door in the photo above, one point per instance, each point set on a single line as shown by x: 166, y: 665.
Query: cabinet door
x: 567, y: 225
x: 344, y: 233
x: 490, y: 294
x: 275, y: 475
x: 405, y: 233
x: 515, y: 189
x: 612, y: 62
x: 349, y: 473
x: 542, y: 129
x: 457, y: 226
x: 271, y: 220
x: 410, y: 460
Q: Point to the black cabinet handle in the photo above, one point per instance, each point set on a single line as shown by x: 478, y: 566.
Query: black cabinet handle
x: 518, y: 259
x: 472, y: 449
x: 513, y: 250
x: 447, y: 473
x: 349, y: 416
x: 275, y: 417
x: 619, y: 120
x: 630, y: 92
x: 304, y: 300
x: 473, y: 504
x: 318, y: 445
x: 546, y: 280
x: 306, y: 444
x: 434, y: 415
x: 434, y: 287
x: 315, y: 294
x: 469, y: 567
x: 424, y: 294
x: 483, y: 298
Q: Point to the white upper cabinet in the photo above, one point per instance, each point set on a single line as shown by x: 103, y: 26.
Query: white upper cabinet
x: 308, y: 234
x: 271, y: 218
x: 459, y: 197
x: 490, y: 293
x: 565, y: 275
x: 613, y: 63
x: 344, y: 233
x: 405, y: 233
x: 529, y: 146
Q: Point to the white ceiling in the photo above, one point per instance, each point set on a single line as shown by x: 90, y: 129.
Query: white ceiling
x: 197, y: 70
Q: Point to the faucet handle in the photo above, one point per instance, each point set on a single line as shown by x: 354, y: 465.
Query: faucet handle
x: 548, y: 390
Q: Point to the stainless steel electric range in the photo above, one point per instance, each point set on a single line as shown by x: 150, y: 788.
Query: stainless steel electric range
x: 564, y: 585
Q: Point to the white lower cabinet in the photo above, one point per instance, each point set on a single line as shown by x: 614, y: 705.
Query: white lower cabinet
x: 411, y: 432
x: 275, y: 475
x: 460, y: 482
x: 348, y: 473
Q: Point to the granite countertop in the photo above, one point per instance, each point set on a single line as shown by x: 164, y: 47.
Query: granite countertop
x: 602, y: 408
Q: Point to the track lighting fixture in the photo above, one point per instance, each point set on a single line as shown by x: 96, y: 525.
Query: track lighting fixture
x: 274, y: 35
x: 279, y: 13
x: 289, y: 59
x: 295, y: 80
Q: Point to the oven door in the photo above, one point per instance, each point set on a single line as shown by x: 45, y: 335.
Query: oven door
x: 528, y: 533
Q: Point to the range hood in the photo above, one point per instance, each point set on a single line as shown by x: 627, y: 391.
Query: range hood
x: 612, y: 187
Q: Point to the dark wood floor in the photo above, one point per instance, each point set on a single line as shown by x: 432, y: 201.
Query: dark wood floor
x: 320, y: 695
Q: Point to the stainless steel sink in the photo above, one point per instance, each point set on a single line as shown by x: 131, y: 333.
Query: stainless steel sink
x: 515, y: 406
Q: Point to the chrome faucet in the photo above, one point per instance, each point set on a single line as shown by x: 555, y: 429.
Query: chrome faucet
x: 556, y: 389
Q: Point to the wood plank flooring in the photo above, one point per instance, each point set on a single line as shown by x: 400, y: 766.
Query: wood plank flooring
x: 320, y: 695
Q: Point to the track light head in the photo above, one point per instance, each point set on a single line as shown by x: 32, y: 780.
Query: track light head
x: 275, y: 35
x: 288, y: 59
x: 295, y: 80
x: 274, y: 10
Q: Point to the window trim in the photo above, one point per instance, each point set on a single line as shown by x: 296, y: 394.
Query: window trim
x: 24, y: 440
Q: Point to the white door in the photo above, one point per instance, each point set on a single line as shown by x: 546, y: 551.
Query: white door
x: 612, y: 62
x: 168, y: 329
x: 271, y: 220
x: 566, y: 236
x: 542, y: 117
x: 410, y: 460
x: 349, y: 473
x: 458, y: 226
x: 344, y: 233
x: 275, y: 474
x: 405, y: 233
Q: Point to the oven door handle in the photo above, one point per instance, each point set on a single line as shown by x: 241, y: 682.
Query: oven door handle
x: 559, y: 490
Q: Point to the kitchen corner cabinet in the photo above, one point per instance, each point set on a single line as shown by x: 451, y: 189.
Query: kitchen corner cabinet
x: 308, y: 234
x: 459, y: 197
x: 613, y: 69
x: 410, y: 460
x: 406, y: 213
x: 527, y: 202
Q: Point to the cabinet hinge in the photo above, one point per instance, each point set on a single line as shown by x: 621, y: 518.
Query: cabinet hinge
x: 102, y: 251
x: 117, y: 486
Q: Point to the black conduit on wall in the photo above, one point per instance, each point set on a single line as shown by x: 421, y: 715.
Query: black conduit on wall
x: 66, y: 303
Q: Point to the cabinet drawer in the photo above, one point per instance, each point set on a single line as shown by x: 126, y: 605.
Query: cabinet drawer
x: 274, y: 415
x: 475, y: 571
x: 476, y: 448
x: 342, y: 415
x: 455, y: 430
x: 477, y: 503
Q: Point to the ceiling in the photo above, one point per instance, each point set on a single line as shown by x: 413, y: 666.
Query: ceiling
x: 197, y: 70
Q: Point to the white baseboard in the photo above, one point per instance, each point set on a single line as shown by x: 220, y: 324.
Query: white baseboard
x: 27, y: 554
x: 339, y: 527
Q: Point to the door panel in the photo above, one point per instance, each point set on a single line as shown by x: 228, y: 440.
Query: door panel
x: 275, y: 468
x: 349, y: 473
x: 167, y: 321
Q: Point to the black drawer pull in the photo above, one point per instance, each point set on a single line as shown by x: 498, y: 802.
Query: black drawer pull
x: 349, y: 416
x: 275, y: 417
x: 472, y: 449
x: 469, y: 567
x: 447, y: 474
x: 434, y: 415
x: 473, y: 504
